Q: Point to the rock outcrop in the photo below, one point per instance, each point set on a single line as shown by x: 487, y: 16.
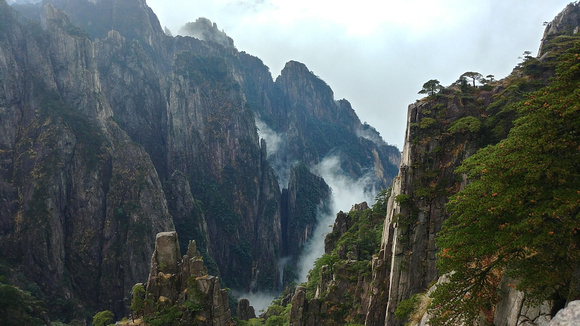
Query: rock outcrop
x: 113, y: 131
x: 437, y: 141
x: 182, y: 284
x: 338, y: 289
x: 245, y: 311
x: 405, y: 264
x: 568, y: 316
x: 565, y: 23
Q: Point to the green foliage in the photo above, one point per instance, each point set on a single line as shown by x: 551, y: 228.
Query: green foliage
x: 255, y: 322
x: 275, y: 316
x: 242, y: 251
x: 324, y: 137
x: 103, y: 318
x: 165, y: 315
x: 276, y: 321
x: 315, y: 274
x: 193, y: 306
x: 201, y: 69
x: 520, y: 215
x: 431, y: 87
x: 363, y: 237
x: 403, y: 200
x: 406, y: 307
x: 465, y: 124
x: 138, y: 300
x: 311, y: 191
x: 474, y: 76
x: 381, y: 200
x: 90, y: 139
x: 18, y: 307
x: 427, y: 122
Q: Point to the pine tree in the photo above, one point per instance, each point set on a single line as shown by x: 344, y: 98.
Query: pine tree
x: 520, y: 214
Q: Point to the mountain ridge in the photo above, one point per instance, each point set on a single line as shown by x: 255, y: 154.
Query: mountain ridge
x: 150, y: 133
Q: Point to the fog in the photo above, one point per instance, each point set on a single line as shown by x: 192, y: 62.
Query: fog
x: 345, y: 193
x: 275, y: 148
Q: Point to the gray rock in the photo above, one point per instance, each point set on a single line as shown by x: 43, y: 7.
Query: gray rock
x: 245, y: 311
x: 176, y: 281
x: 569, y: 316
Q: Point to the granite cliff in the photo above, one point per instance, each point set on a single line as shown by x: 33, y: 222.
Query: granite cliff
x: 113, y: 131
x: 443, y: 130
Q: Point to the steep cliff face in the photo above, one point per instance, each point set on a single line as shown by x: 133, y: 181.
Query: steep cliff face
x: 316, y: 126
x: 81, y: 194
x: 307, y: 196
x: 416, y: 210
x: 442, y: 131
x: 114, y: 131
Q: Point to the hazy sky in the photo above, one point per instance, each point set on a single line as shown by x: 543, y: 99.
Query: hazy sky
x: 377, y: 53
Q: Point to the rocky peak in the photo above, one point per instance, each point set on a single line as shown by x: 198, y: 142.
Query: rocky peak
x: 306, y: 91
x: 204, y: 30
x: 566, y: 22
x: 182, y: 284
x: 132, y: 18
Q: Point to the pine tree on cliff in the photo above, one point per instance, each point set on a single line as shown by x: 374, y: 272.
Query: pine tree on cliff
x: 431, y: 87
x: 520, y: 214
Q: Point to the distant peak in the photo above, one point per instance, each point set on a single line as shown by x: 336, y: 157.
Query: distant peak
x: 295, y: 65
x: 203, y: 29
x: 566, y: 22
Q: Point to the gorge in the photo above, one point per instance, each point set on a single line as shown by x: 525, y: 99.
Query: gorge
x: 114, y: 131
x: 123, y: 147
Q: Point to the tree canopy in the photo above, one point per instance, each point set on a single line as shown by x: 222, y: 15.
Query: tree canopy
x: 520, y: 214
x: 474, y: 76
x: 431, y: 87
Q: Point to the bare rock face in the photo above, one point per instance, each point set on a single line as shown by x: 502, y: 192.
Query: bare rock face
x: 112, y: 131
x: 512, y: 308
x: 245, y: 311
x: 566, y: 23
x: 297, y: 311
x: 72, y: 220
x: 568, y: 316
x: 182, y: 284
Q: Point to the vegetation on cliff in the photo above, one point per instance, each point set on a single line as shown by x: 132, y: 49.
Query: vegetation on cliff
x: 520, y: 213
x: 336, y: 292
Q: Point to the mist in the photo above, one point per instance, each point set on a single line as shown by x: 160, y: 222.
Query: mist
x: 346, y: 192
x: 276, y: 149
x: 273, y: 140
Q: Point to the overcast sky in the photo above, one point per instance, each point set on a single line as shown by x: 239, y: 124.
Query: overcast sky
x: 377, y: 53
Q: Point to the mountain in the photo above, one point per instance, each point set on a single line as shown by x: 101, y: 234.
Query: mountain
x: 471, y: 219
x: 113, y: 131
